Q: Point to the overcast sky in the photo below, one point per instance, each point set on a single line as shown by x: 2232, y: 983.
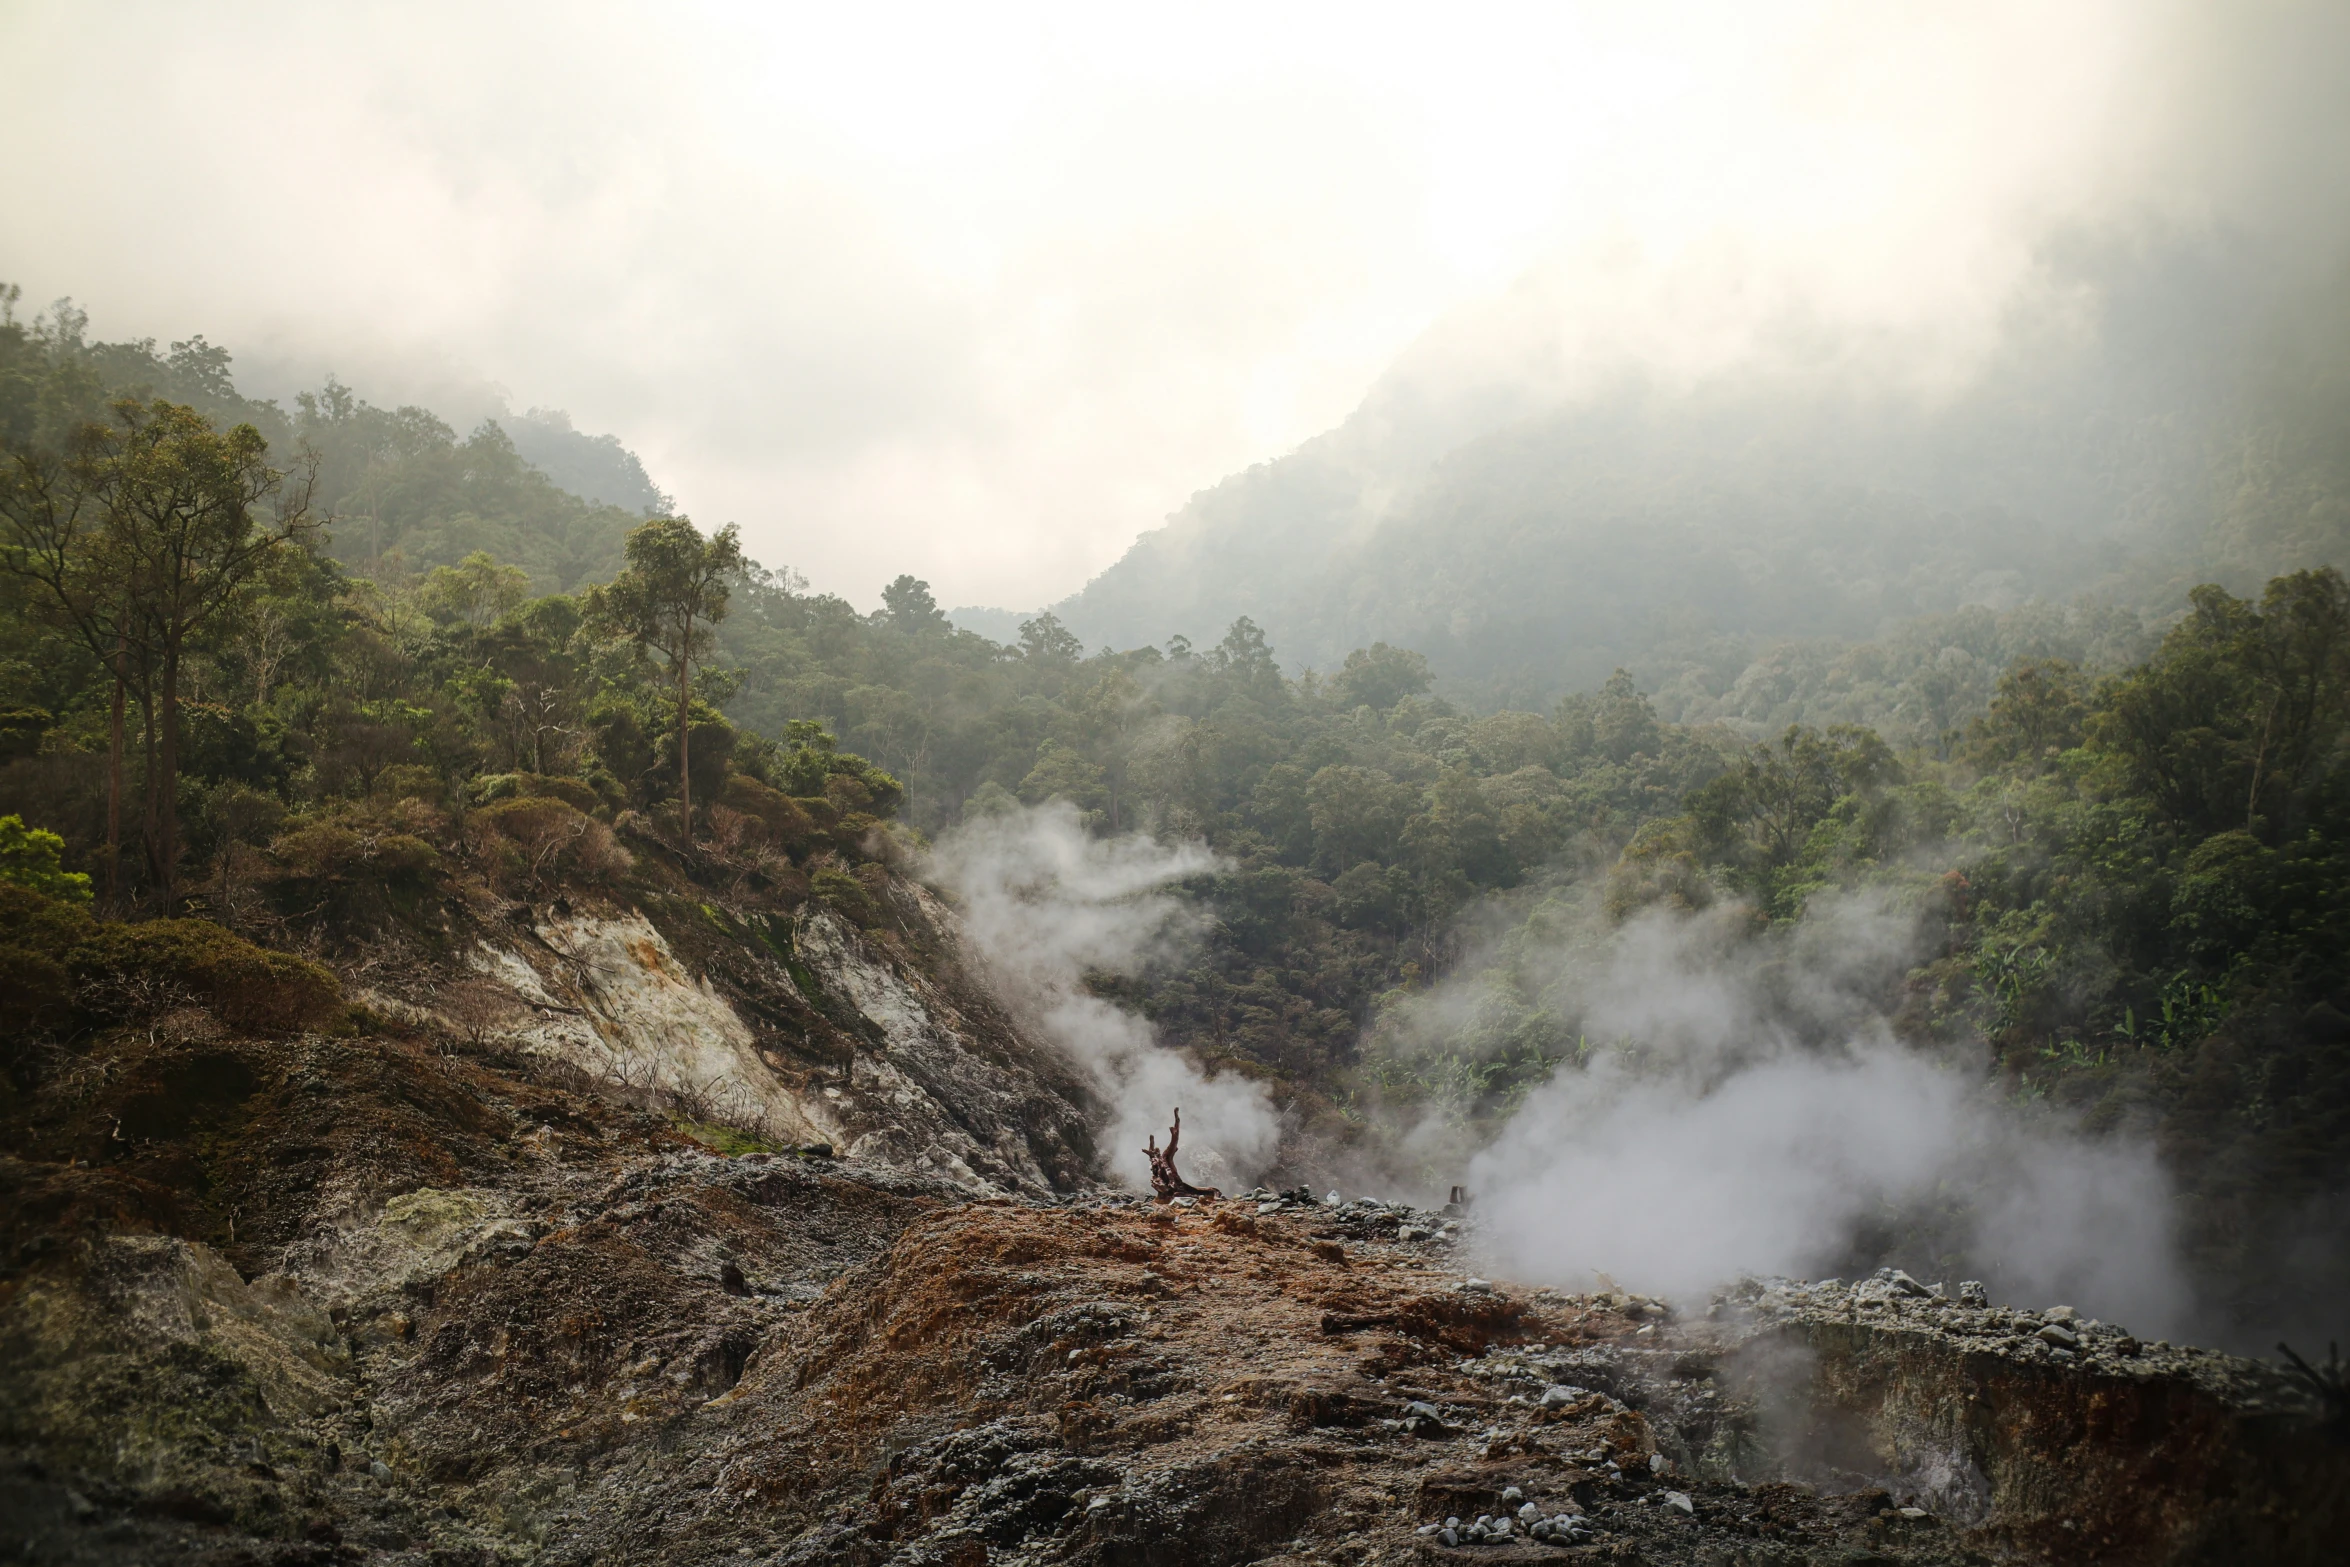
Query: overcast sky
x: 982, y: 291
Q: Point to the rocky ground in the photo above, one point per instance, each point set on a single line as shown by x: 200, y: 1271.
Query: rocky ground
x: 433, y: 1292
x: 578, y: 1337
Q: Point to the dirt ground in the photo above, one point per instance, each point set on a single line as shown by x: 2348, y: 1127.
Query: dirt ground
x: 371, y: 1300
x: 428, y: 1292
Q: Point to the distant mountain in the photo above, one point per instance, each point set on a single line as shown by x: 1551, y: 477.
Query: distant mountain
x: 997, y: 625
x: 2191, y: 429
x: 596, y: 468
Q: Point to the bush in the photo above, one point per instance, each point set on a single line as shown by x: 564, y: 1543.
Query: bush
x: 786, y: 825
x: 246, y: 986
x: 570, y: 791
x: 367, y: 840
x: 846, y: 895
x: 410, y: 781
x: 29, y: 858
x: 495, y: 787
x: 539, y: 840
x: 55, y: 960
x: 34, y: 992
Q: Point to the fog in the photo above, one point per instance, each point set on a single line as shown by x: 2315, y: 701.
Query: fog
x: 983, y: 295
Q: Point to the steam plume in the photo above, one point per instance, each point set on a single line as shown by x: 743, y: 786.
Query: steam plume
x: 1045, y: 904
x: 1751, y: 1110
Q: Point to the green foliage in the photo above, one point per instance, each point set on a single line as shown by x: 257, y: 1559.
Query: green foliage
x: 2130, y: 863
x: 360, y: 841
x: 2131, y: 897
x: 69, y: 966
x: 847, y: 895
x: 29, y: 858
x: 121, y: 970
x: 668, y: 603
x: 1380, y: 676
x: 540, y: 841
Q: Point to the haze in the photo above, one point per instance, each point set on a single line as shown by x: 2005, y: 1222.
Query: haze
x: 983, y: 293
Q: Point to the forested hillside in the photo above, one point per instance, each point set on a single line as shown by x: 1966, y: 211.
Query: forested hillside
x: 348, y: 645
x: 1530, y: 528
x: 406, y: 491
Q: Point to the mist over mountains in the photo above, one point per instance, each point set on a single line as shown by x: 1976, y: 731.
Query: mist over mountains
x: 2150, y: 416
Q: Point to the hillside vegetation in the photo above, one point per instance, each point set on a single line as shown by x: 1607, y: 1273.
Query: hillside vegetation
x: 1530, y: 526
x: 376, y: 646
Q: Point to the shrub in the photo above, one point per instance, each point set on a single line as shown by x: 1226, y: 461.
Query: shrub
x: 570, y: 791
x: 246, y: 986
x: 361, y: 840
x: 846, y: 895
x: 787, y: 825
x: 29, y: 857
x: 541, y: 840
x: 495, y: 787
x: 34, y: 991
x: 55, y: 959
x: 410, y: 781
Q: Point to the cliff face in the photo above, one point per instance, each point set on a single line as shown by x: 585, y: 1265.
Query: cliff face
x: 539, y: 1260
x: 797, y: 1027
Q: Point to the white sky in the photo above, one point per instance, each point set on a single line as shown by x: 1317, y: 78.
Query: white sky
x: 981, y: 292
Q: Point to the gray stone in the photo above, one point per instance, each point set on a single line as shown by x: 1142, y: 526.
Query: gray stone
x: 1529, y: 1512
x: 1450, y: 1536
x: 1972, y: 1293
x: 2058, y: 1335
x: 1681, y: 1500
x: 1512, y: 1494
x: 1423, y: 1409
x: 1903, y: 1284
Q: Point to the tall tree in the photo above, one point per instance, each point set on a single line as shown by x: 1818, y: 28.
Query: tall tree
x: 910, y: 607
x: 52, y: 533
x: 181, y: 507
x: 669, y: 601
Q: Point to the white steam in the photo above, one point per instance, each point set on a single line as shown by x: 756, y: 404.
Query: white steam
x: 1752, y: 1112
x: 1045, y: 904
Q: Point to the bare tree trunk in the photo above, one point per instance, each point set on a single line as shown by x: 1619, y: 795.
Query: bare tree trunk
x: 2260, y: 764
x: 685, y: 780
x: 169, y: 839
x: 114, y: 788
x: 150, y: 819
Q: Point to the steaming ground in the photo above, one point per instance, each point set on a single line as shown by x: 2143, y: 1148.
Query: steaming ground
x: 1045, y: 904
x: 1748, y: 1109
